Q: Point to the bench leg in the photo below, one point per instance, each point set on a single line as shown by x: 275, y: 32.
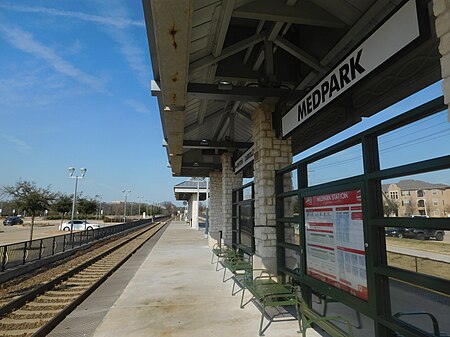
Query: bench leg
x: 299, y: 317
x: 217, y: 263
x: 242, y: 298
x: 224, y: 273
x: 358, y: 318
x: 261, y: 332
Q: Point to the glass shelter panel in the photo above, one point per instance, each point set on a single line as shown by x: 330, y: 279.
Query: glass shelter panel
x: 418, y: 306
x: 290, y: 206
x: 424, y: 257
x: 425, y: 195
x: 362, y: 326
x: 343, y: 164
x: 292, y: 259
x: 247, y: 193
x: 290, y: 181
x: 243, y: 218
x: 378, y: 242
x: 292, y: 233
x: 424, y: 139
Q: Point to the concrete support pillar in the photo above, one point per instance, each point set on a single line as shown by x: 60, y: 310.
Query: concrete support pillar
x: 441, y: 10
x: 194, y: 212
x: 215, y: 207
x: 189, y: 213
x: 271, y: 153
x: 230, y: 181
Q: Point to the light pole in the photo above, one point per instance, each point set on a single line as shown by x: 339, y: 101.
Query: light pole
x: 126, y: 193
x: 74, y: 201
x: 98, y: 198
x: 140, y: 199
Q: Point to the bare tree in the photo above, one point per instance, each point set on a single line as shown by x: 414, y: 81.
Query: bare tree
x: 28, y: 197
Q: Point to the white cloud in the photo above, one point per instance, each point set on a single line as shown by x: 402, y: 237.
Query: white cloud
x: 20, y: 145
x: 33, y: 86
x: 25, y: 41
x: 75, y: 48
x: 118, y: 22
x: 135, y: 56
x: 137, y: 106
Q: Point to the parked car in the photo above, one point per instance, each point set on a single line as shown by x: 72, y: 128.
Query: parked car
x: 393, y: 232
x: 78, y: 225
x: 422, y: 233
x: 13, y: 220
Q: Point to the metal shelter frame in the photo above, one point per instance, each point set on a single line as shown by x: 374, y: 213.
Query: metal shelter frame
x: 379, y: 273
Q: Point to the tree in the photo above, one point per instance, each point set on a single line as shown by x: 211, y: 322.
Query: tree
x: 390, y: 207
x: 87, y: 206
x: 169, y: 207
x: 28, y: 197
x: 63, y: 205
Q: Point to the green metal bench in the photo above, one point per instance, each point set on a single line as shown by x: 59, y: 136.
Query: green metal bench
x: 238, y: 265
x: 310, y: 317
x: 221, y: 252
x: 266, y: 290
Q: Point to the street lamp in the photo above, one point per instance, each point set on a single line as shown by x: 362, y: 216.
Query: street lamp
x: 126, y: 193
x: 74, y: 201
x: 98, y: 198
x: 140, y: 199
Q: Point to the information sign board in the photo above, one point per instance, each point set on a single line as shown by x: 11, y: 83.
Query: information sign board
x: 335, y: 241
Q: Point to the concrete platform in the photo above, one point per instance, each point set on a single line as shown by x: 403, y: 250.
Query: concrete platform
x: 177, y: 292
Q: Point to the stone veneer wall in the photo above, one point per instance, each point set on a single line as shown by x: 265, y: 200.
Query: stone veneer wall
x: 215, y: 207
x: 271, y: 153
x: 230, y: 181
x: 441, y: 10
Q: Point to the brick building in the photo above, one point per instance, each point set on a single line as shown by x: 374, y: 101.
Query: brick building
x: 416, y: 197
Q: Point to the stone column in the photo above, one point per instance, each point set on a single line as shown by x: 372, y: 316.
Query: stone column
x: 441, y: 10
x: 215, y: 207
x: 271, y: 153
x: 230, y: 181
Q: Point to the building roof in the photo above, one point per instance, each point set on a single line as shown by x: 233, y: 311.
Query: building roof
x: 411, y: 184
x: 192, y: 183
x: 188, y: 188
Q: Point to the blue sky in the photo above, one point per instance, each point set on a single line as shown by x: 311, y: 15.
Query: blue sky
x: 75, y: 91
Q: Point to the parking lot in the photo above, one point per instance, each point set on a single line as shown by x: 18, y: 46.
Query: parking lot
x: 42, y: 229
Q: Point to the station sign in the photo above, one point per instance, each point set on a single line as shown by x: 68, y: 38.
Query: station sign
x: 244, y: 160
x: 397, y: 32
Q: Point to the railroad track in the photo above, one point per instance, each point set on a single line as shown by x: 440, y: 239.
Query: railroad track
x: 35, y: 311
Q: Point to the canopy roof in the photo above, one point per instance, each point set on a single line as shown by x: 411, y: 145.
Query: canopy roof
x: 184, y: 190
x: 215, y: 61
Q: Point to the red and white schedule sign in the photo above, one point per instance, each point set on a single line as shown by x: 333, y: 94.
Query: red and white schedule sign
x: 335, y: 241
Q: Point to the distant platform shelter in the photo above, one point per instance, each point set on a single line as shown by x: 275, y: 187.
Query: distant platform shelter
x: 192, y: 191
